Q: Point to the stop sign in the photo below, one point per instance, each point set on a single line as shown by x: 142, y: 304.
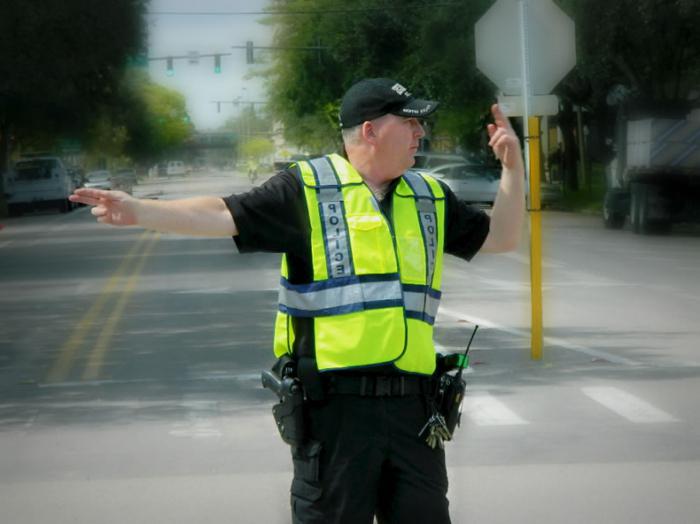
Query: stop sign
x: 551, y: 44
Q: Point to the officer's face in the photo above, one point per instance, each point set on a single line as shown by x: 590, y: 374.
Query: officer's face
x: 397, y: 140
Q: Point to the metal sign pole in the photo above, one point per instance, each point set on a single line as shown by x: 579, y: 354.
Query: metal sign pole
x: 532, y: 144
x: 525, y: 78
x: 533, y: 42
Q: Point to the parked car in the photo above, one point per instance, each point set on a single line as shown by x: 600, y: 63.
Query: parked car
x: 124, y: 180
x: 472, y: 182
x: 101, y: 179
x: 78, y: 175
x: 426, y: 161
x: 39, y: 181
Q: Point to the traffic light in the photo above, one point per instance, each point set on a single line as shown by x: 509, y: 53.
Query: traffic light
x: 249, y: 52
x: 169, y: 66
x: 137, y: 60
x: 217, y: 64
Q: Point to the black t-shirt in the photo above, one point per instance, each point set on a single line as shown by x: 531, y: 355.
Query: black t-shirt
x: 273, y: 218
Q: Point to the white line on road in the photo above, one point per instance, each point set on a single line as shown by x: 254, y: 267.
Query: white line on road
x: 525, y: 259
x: 552, y: 341
x: 627, y: 405
x: 6, y: 243
x: 197, y: 423
x: 93, y: 383
x: 197, y: 428
x: 485, y: 410
x: 595, y: 353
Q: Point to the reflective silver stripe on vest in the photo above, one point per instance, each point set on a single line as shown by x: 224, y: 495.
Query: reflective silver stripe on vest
x: 418, y: 302
x: 324, y: 172
x: 337, y: 298
x: 335, y: 234
x: 418, y: 184
x: 427, y: 215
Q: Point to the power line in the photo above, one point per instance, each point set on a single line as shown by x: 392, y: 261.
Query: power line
x: 309, y: 12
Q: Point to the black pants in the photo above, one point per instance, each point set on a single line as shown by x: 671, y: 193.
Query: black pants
x: 365, y: 459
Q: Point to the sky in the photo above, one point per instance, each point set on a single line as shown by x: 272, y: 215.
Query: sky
x: 170, y: 35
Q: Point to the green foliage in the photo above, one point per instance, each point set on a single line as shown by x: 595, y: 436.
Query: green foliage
x: 652, y: 47
x: 256, y: 148
x: 648, y: 48
x: 166, y: 111
x: 408, y: 40
x: 144, y: 123
x: 249, y: 121
x: 61, y: 61
x: 588, y: 199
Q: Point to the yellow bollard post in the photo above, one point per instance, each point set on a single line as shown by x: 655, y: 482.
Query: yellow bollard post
x: 535, y: 239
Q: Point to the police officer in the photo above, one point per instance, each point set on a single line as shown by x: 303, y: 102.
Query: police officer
x: 363, y: 239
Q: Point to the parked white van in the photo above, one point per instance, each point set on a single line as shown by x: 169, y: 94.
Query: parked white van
x: 175, y: 167
x: 42, y: 181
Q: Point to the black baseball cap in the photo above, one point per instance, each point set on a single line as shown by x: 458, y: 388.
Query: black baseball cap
x: 374, y: 97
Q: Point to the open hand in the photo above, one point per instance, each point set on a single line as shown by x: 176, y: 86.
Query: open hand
x: 504, y: 141
x: 110, y: 207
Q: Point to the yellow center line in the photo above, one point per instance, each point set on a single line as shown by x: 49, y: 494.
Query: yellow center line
x: 96, y: 359
x: 66, y: 354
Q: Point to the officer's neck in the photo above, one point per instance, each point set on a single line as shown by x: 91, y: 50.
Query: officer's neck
x: 375, y: 175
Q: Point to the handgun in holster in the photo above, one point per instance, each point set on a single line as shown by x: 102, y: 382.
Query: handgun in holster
x: 451, y: 386
x: 289, y: 411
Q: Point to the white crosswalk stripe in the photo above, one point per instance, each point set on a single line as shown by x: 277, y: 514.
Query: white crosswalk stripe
x: 627, y: 405
x: 485, y: 410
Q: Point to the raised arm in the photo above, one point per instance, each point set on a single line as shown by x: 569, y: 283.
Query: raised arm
x: 198, y: 216
x: 508, y: 211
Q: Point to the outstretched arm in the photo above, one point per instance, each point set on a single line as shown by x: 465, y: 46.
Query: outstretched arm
x: 198, y: 216
x: 508, y: 211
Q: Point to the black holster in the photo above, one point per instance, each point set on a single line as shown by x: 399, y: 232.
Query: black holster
x: 289, y: 417
x: 289, y: 411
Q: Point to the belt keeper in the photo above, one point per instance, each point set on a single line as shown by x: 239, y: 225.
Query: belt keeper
x: 383, y: 386
x: 363, y: 386
x: 403, y: 385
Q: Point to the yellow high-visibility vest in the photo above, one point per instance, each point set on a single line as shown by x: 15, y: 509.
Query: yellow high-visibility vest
x: 376, y: 285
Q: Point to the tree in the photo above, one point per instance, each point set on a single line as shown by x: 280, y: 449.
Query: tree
x: 650, y: 48
x: 168, y: 117
x: 256, y: 148
x: 60, y: 61
x: 406, y: 39
x: 249, y: 121
x: 144, y: 122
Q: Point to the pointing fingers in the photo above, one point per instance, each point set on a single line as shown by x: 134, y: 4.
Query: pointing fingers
x: 499, y: 118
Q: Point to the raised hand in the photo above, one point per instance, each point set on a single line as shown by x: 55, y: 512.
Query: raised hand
x: 110, y: 207
x: 504, y: 141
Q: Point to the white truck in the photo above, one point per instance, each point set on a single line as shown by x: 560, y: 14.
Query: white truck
x: 42, y: 181
x: 658, y: 183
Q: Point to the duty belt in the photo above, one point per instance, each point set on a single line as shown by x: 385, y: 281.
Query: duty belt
x: 378, y: 385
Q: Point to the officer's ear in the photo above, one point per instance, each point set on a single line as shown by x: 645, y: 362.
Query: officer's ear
x: 368, y: 132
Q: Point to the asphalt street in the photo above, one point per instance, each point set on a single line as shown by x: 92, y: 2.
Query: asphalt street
x: 130, y: 364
